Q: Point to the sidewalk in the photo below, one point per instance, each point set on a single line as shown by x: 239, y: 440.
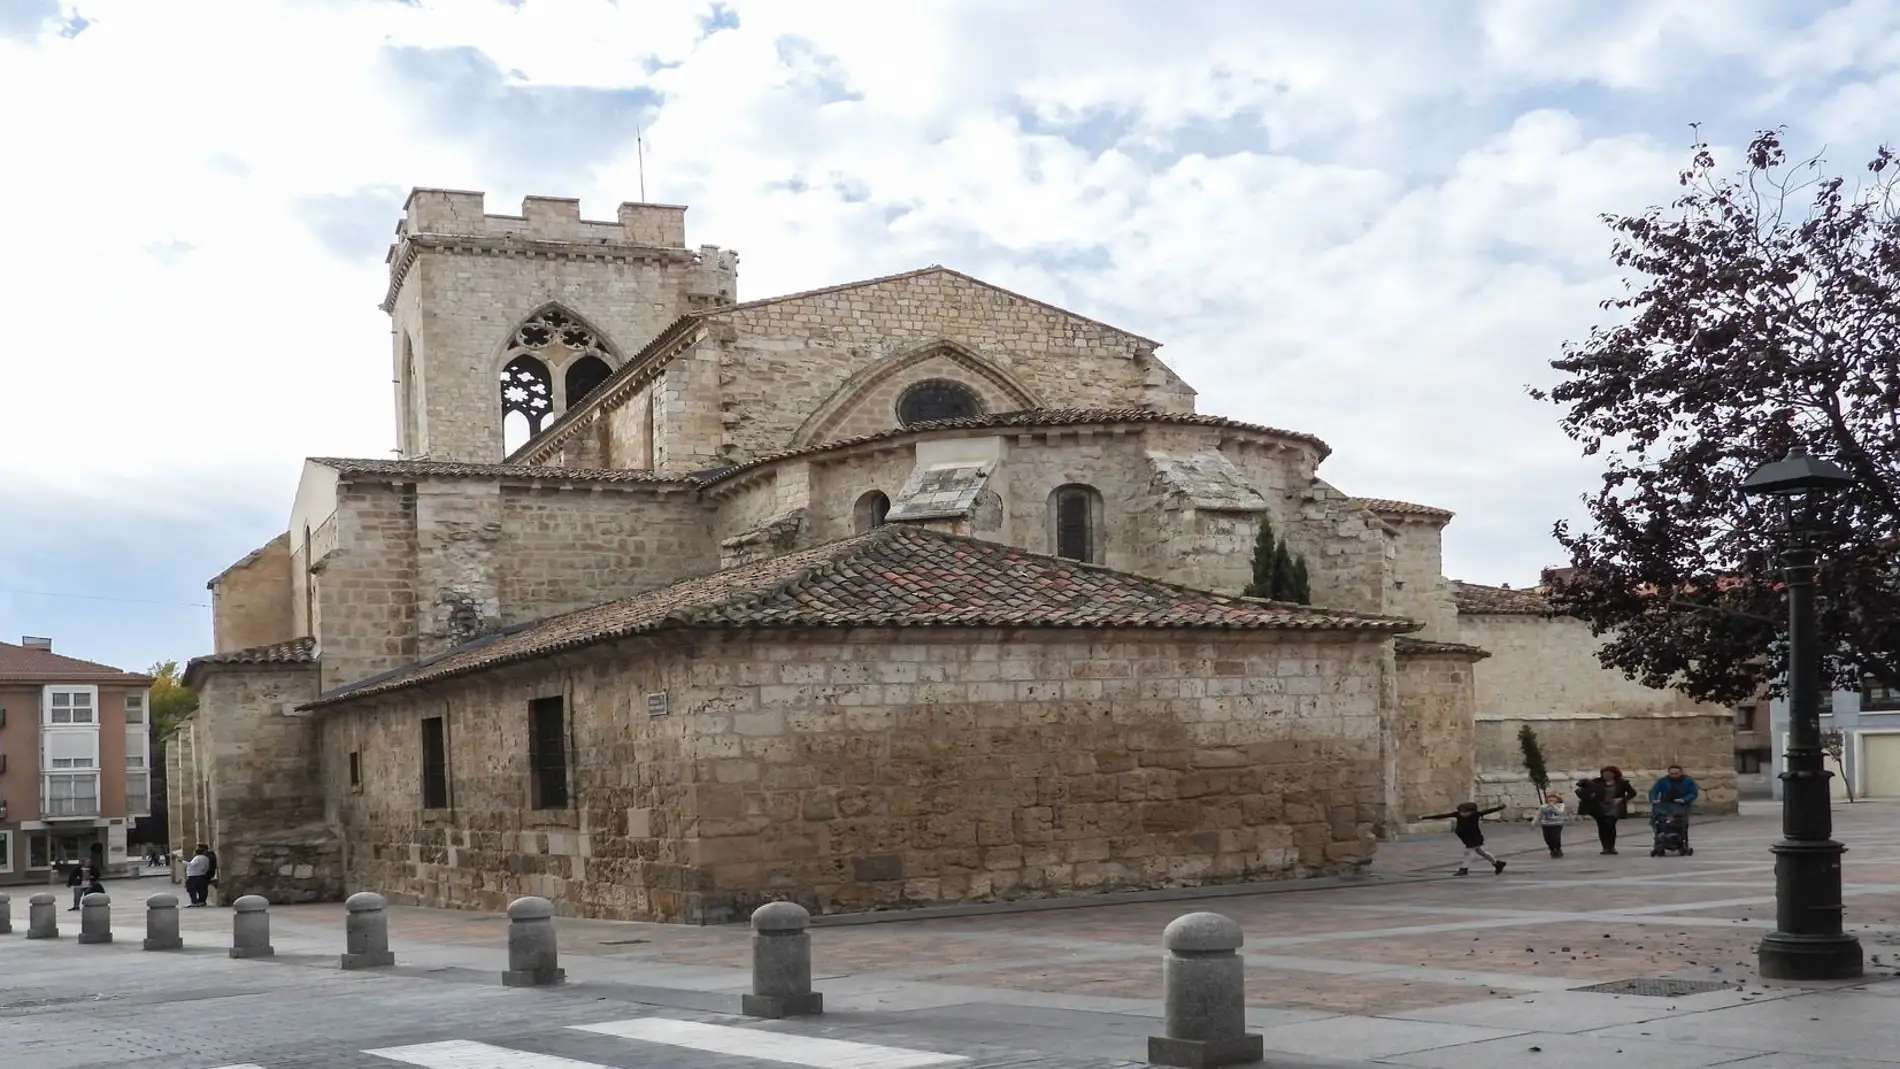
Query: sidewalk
x: 1408, y: 966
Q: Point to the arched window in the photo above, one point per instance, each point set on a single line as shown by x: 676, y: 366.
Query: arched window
x: 870, y: 511
x: 937, y: 399
x: 1075, y: 523
x: 583, y: 376
x: 527, y: 396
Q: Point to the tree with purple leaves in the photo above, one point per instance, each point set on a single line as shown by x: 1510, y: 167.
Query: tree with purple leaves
x: 1761, y: 311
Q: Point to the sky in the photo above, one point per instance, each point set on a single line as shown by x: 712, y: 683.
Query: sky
x: 1373, y: 221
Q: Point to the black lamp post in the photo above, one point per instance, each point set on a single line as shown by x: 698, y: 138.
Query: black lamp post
x: 1807, y: 943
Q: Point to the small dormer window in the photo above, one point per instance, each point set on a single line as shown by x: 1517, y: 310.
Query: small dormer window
x: 935, y: 400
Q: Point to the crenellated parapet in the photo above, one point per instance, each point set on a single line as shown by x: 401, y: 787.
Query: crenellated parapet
x: 459, y: 213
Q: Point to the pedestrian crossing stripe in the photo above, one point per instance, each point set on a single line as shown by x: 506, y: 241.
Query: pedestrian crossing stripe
x: 774, y: 1046
x: 693, y: 1035
x: 468, y: 1054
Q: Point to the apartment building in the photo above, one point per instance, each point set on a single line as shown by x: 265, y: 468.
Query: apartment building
x: 75, y: 746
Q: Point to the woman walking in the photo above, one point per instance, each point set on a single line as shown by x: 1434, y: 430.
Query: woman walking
x: 1605, y: 798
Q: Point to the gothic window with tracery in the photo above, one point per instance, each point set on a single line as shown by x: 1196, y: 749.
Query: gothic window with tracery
x: 935, y: 400
x: 527, y: 396
x: 551, y: 338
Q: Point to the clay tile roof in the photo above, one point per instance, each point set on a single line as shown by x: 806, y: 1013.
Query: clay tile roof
x: 1388, y: 507
x: 1405, y: 645
x: 29, y: 664
x: 444, y: 469
x: 296, y: 651
x: 894, y: 576
x: 1478, y: 600
x: 1029, y: 418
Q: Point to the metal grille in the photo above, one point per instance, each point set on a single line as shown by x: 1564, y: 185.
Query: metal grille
x: 1656, y: 988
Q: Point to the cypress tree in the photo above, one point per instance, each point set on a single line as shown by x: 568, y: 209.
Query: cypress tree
x: 1534, y: 761
x: 1283, y: 574
x: 1302, y: 592
x: 1263, y: 543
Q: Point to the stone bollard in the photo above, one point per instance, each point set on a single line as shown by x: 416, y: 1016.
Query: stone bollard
x: 1204, y: 1002
x: 95, y: 918
x: 533, y: 951
x: 42, y: 917
x: 250, y: 928
x: 6, y: 913
x: 366, y: 932
x: 781, y: 964
x: 161, y: 923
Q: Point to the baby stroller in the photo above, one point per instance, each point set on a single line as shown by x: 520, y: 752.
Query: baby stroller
x: 1670, y: 820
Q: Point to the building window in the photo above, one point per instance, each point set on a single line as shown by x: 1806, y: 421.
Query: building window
x: 6, y: 851
x: 39, y: 851
x: 583, y: 377
x: 356, y: 769
x: 547, y: 752
x: 1075, y: 518
x: 1748, y: 762
x: 1744, y: 718
x: 870, y: 511
x: 435, y: 764
x: 1878, y: 696
x: 935, y: 400
x: 71, y: 705
x: 134, y: 709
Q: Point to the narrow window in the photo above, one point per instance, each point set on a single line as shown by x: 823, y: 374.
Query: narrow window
x: 870, y: 511
x: 356, y: 768
x: 527, y: 397
x: 1075, y: 517
x: 547, y: 752
x: 435, y: 764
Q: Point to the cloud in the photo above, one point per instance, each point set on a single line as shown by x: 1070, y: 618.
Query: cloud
x: 355, y: 225
x: 1376, y: 221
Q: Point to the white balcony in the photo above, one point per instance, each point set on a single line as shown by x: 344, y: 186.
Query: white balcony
x: 69, y: 795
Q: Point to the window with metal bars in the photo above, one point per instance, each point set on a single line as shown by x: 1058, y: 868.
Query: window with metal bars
x: 435, y: 764
x: 547, y: 752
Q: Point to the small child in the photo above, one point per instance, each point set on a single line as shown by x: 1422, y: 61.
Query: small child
x: 1467, y: 825
x: 1550, y: 817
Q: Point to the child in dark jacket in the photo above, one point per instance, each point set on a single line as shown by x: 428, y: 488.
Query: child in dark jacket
x: 1467, y: 824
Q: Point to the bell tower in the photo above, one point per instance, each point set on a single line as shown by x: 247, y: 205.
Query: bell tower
x: 502, y: 322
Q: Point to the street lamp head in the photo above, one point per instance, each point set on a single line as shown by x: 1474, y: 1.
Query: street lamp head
x: 1799, y: 475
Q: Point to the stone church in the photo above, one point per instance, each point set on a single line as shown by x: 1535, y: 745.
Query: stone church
x: 906, y: 591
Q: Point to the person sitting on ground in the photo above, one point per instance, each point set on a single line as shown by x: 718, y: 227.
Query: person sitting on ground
x: 1468, y: 825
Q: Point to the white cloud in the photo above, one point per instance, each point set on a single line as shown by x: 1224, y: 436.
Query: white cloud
x: 1372, y: 221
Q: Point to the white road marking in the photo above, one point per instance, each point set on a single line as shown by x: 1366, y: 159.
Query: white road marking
x: 246, y: 1065
x: 772, y: 1046
x: 467, y: 1054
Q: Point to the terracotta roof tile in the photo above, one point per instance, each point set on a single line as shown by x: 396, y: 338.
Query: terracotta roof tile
x: 1406, y: 645
x: 29, y: 664
x: 296, y: 651
x: 1478, y: 600
x: 444, y: 469
x: 1388, y: 507
x: 1026, y: 419
x: 895, y: 576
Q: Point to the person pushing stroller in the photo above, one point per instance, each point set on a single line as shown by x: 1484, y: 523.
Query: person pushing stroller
x: 1669, y: 803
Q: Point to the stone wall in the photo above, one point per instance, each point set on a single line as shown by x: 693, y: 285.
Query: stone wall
x: 251, y: 602
x: 1642, y: 746
x: 1420, y: 590
x: 1434, y: 740
x: 259, y: 760
x: 467, y: 279
x: 1544, y: 671
x: 878, y: 770
x: 426, y: 565
x: 769, y: 367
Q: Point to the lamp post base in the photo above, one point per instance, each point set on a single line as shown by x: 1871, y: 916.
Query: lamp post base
x: 1786, y: 956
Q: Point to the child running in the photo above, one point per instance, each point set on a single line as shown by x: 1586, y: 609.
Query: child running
x: 1550, y: 818
x: 1470, y: 831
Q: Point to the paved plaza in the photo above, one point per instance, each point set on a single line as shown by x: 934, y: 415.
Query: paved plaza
x: 1409, y: 966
